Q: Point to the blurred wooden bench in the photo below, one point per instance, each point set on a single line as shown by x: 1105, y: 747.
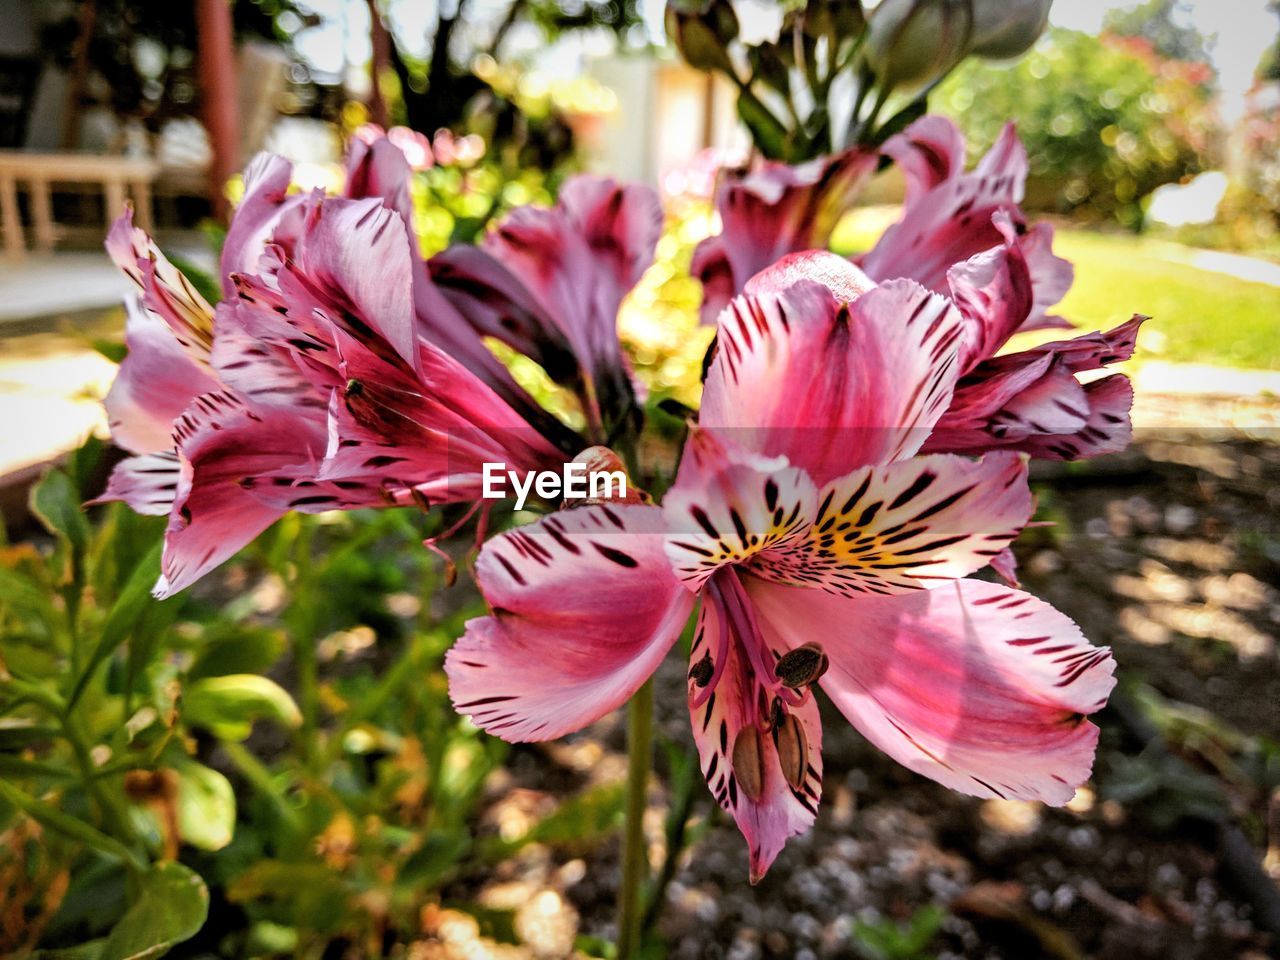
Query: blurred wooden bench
x: 117, y: 176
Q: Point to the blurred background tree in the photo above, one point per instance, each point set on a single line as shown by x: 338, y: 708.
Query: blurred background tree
x: 1105, y: 120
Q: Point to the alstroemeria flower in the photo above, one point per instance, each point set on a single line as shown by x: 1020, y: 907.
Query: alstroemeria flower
x: 769, y: 211
x: 548, y: 282
x: 823, y: 550
x: 313, y: 387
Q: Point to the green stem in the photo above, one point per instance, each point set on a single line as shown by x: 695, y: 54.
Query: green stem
x: 634, y: 853
x: 302, y: 625
x: 69, y: 826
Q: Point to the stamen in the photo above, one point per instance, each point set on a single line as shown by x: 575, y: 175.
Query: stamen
x: 748, y: 762
x: 802, y: 666
x: 793, y: 750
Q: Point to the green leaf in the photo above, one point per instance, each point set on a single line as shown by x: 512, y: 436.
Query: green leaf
x: 206, y: 806
x: 124, y: 615
x: 171, y: 906
x: 246, y: 650
x: 227, y: 706
x: 56, y: 501
x: 767, y: 131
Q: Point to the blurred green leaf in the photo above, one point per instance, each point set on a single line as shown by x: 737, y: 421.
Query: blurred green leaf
x: 56, y: 501
x: 206, y: 806
x: 170, y: 907
x: 239, y: 649
x: 124, y: 614
x: 227, y: 706
x: 767, y: 131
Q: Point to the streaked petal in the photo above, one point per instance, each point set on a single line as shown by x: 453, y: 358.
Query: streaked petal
x: 770, y: 211
x: 1032, y: 401
x: 980, y: 687
x: 266, y: 201
x: 905, y: 526
x: 952, y: 220
x: 741, y: 761
x: 833, y: 385
x: 584, y: 608
x: 155, y: 382
x: 146, y: 483
x: 993, y: 293
x: 929, y: 152
x: 728, y: 504
x: 165, y: 290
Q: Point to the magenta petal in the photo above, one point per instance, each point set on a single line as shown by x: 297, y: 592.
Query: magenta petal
x: 951, y: 220
x: 727, y: 505
x: 584, y: 608
x: 929, y: 152
x: 377, y: 168
x: 146, y: 483
x: 265, y: 203
x: 831, y: 385
x: 906, y: 525
x: 777, y: 810
x: 549, y: 283
x: 220, y: 443
x: 994, y: 295
x: 431, y: 432
x: 156, y: 381
x: 771, y: 211
x: 975, y: 685
x: 165, y: 291
x: 1051, y: 276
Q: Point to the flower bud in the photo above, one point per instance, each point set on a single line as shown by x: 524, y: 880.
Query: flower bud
x: 1006, y: 28
x: 911, y: 43
x: 702, y: 31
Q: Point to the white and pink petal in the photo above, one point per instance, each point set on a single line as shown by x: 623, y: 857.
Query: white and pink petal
x: 905, y: 526
x: 980, y: 687
x: 584, y: 607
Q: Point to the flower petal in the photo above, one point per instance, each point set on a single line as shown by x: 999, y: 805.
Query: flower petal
x: 728, y: 505
x: 975, y: 685
x: 833, y: 385
x: 155, y: 382
x: 431, y: 432
x: 747, y: 778
x: 904, y: 526
x: 164, y: 288
x: 993, y: 293
x: 266, y: 202
x: 146, y: 483
x: 220, y: 442
x: 952, y: 220
x: 771, y: 211
x: 584, y: 608
x: 549, y: 282
x: 1031, y: 400
x: 929, y: 152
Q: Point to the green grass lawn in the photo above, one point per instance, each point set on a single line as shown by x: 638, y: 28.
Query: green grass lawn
x: 1197, y: 316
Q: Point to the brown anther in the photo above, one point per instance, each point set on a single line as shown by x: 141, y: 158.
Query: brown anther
x: 777, y: 714
x: 802, y: 666
x: 701, y: 672
x: 748, y: 762
x: 354, y: 388
x: 793, y: 750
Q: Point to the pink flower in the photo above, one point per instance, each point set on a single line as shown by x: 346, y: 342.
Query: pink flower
x: 824, y: 550
x: 549, y: 282
x: 963, y: 235
x: 769, y: 211
x: 314, y: 386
